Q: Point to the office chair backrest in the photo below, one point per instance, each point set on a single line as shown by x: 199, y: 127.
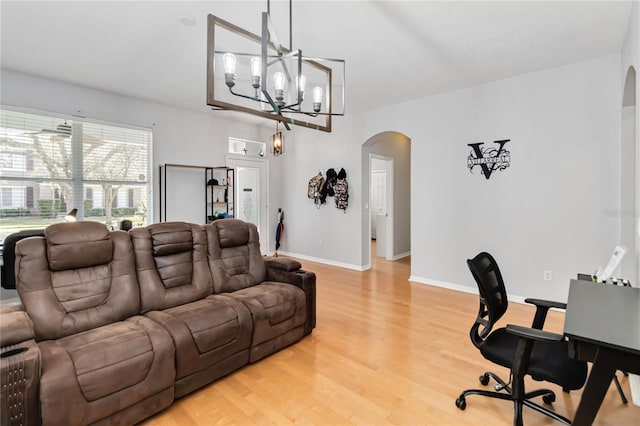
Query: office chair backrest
x: 493, y: 296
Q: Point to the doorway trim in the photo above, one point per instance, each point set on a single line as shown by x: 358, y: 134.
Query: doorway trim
x: 396, y: 145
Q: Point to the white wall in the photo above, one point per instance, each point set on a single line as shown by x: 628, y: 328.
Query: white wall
x: 551, y: 210
x: 326, y: 234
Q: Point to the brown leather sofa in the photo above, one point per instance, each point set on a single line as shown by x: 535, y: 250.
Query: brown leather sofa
x: 114, y: 325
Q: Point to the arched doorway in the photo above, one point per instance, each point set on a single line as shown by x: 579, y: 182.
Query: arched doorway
x: 629, y: 164
x: 393, y: 148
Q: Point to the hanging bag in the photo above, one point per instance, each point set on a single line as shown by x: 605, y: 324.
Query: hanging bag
x: 314, y: 188
x: 341, y: 191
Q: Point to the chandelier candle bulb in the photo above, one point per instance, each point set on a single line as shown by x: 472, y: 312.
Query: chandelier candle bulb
x: 255, y: 72
x: 317, y: 98
x: 278, y: 84
x: 302, y: 81
x: 229, y: 61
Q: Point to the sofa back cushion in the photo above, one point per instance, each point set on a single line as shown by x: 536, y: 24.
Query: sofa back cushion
x: 171, y: 262
x: 234, y: 255
x: 88, y: 245
x: 77, y: 277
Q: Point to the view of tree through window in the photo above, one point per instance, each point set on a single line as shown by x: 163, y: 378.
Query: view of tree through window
x: 49, y: 166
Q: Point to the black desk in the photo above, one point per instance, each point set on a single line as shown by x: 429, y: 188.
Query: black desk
x: 602, y: 323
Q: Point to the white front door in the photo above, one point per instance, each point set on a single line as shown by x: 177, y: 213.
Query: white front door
x: 251, y: 203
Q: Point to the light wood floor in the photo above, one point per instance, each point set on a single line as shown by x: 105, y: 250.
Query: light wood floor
x: 385, y: 351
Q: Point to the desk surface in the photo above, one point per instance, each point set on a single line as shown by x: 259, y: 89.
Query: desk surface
x: 605, y: 314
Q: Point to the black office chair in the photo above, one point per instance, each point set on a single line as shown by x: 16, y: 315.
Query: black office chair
x: 525, y: 351
x: 7, y: 271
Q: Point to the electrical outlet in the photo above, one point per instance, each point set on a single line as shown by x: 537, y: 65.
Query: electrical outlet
x: 548, y: 276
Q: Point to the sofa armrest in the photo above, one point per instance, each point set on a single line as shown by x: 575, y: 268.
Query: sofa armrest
x: 15, y: 327
x: 5, y: 308
x: 289, y: 271
x: 19, y: 368
x: 282, y: 263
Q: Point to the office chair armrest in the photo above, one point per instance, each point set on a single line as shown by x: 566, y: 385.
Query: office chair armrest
x: 534, y: 334
x: 546, y: 303
x: 542, y: 307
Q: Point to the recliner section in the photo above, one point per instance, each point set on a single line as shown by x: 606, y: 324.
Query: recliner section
x: 278, y: 309
x: 212, y: 332
x: 116, y: 325
x: 99, y: 357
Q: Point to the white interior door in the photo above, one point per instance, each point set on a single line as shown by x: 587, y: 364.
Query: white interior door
x: 252, y: 201
x: 378, y: 201
x: 381, y: 204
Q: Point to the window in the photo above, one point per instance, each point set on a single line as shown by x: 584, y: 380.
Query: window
x: 50, y: 165
x: 247, y: 148
x: 7, y: 197
x: 13, y: 162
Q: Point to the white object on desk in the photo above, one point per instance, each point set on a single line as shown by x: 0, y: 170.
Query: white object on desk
x: 616, y: 257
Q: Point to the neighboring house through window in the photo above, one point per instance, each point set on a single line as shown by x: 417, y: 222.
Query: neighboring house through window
x: 49, y: 165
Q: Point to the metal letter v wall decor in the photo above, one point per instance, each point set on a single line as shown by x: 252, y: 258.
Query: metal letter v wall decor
x: 489, y: 159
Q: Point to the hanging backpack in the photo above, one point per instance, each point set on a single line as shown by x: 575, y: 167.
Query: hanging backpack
x: 314, y: 188
x: 341, y: 190
x: 327, y: 188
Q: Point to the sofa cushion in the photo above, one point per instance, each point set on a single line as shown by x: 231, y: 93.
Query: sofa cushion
x: 279, y: 313
x: 171, y: 238
x: 171, y: 264
x: 232, y: 235
x: 212, y: 324
x: 207, y: 333
x: 235, y: 260
x: 119, y: 373
x: 109, y: 358
x: 78, y: 245
x: 69, y: 301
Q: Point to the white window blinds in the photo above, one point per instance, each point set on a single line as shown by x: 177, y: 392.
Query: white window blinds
x: 51, y: 165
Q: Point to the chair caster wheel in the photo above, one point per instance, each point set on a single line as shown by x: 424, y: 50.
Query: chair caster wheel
x: 549, y: 398
x: 461, y: 403
x: 484, y: 379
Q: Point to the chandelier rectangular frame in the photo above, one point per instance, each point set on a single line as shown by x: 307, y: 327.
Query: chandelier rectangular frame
x: 272, y: 56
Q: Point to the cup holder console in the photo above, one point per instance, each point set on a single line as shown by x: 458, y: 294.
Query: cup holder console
x: 12, y: 352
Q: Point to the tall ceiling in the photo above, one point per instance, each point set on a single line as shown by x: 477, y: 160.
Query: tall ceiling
x: 394, y: 50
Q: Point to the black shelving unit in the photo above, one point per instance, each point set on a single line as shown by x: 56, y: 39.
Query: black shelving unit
x: 219, y: 190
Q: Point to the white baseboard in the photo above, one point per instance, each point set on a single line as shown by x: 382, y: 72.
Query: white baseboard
x: 634, y: 384
x: 325, y: 261
x: 336, y: 263
x: 443, y: 284
x: 401, y: 255
x: 457, y: 287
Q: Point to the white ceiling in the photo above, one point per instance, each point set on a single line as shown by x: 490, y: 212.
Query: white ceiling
x: 394, y: 50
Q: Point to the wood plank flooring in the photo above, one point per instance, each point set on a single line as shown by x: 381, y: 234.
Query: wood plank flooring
x: 385, y: 351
